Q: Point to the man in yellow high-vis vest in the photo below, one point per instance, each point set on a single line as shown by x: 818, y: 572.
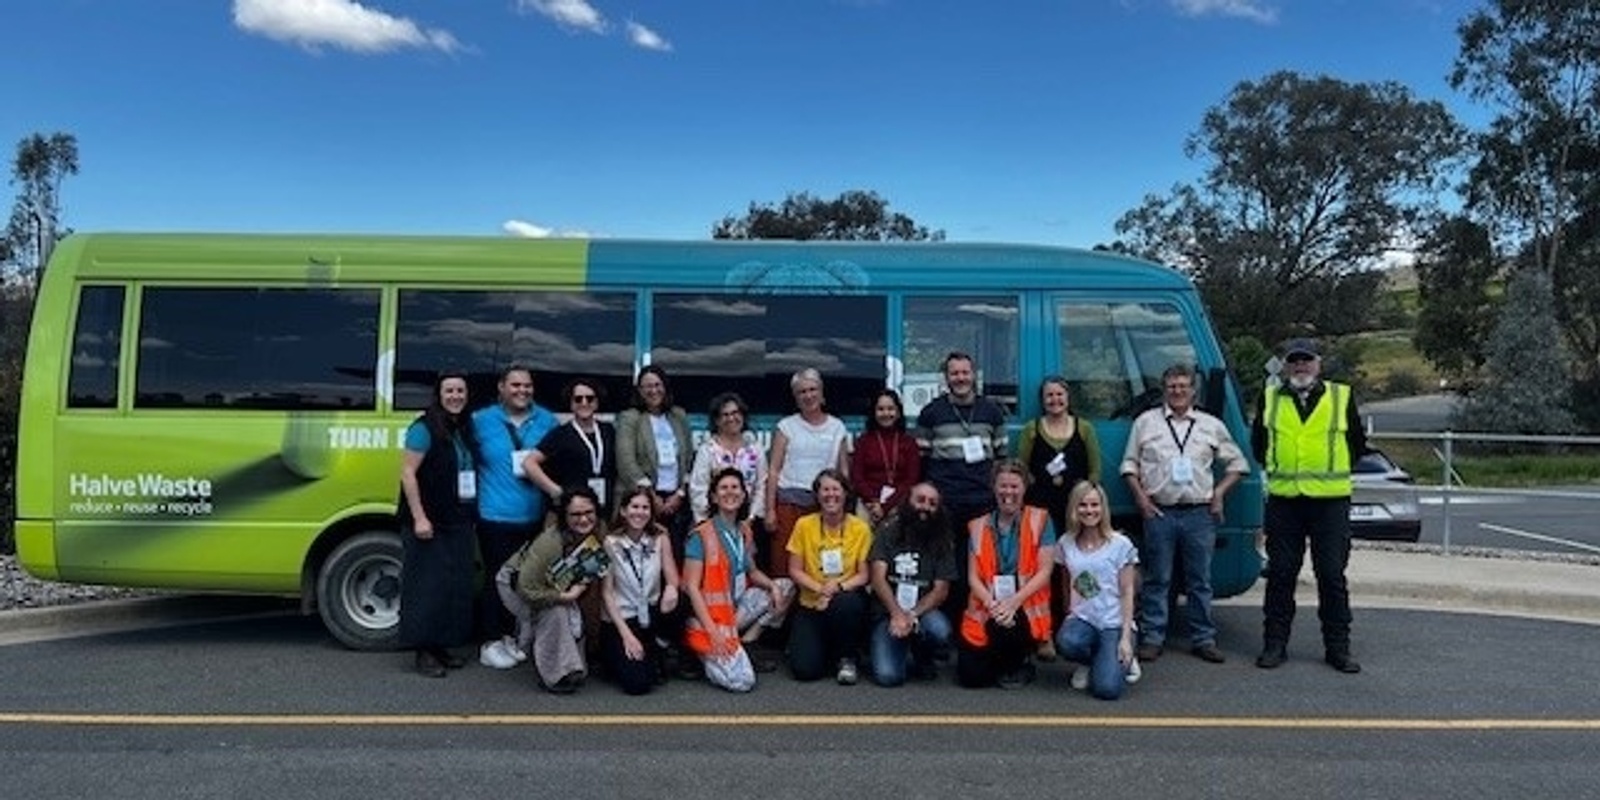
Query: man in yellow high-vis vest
x: 1306, y: 434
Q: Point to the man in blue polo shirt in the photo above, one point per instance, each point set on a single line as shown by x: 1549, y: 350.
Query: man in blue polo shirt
x: 510, y: 507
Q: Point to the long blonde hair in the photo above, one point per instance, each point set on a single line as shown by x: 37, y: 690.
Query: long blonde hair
x: 1080, y: 491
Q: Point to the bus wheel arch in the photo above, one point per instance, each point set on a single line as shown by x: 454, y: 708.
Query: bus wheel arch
x: 353, y: 575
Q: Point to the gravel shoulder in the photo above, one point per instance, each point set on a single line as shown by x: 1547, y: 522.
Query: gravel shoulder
x: 22, y: 590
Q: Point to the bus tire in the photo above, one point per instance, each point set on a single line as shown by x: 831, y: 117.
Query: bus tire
x: 358, y: 591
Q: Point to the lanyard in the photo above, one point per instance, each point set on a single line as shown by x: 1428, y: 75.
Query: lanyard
x: 966, y: 422
x: 733, y: 542
x: 596, y: 448
x: 1186, y: 433
x: 463, y: 455
x: 633, y: 565
x: 884, y: 452
x: 836, y: 536
x: 516, y: 439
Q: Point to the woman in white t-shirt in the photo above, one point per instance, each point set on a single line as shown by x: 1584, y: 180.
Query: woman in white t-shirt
x: 805, y: 443
x: 1101, y: 568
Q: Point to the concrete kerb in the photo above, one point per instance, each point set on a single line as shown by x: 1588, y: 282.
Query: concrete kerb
x: 1382, y: 575
x: 1477, y: 581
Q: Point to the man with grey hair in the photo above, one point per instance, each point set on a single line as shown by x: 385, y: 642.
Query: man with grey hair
x: 1307, y: 434
x: 1168, y: 468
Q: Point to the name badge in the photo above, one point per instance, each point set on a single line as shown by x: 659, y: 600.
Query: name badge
x: 740, y: 583
x: 1057, y: 465
x: 906, y: 594
x: 466, y: 485
x: 1005, y: 587
x: 599, y: 487
x: 1182, y: 469
x: 517, y: 457
x: 833, y: 562
x: 885, y: 493
x: 972, y: 449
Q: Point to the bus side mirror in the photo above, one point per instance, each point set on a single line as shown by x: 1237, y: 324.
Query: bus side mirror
x: 1215, y: 397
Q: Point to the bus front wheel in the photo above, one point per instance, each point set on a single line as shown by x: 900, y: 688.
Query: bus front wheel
x: 358, y: 591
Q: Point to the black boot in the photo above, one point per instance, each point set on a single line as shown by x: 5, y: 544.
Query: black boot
x: 428, y: 664
x: 1273, y: 654
x: 1340, y: 659
x: 448, y: 659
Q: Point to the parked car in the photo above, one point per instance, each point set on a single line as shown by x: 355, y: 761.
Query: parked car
x: 1384, y: 504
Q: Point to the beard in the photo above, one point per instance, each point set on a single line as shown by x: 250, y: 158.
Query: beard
x: 924, y: 525
x: 1301, y: 383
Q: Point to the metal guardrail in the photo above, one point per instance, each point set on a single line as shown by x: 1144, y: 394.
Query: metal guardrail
x: 1452, y: 483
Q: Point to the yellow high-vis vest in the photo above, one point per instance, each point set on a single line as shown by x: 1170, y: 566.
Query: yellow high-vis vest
x: 1310, y: 458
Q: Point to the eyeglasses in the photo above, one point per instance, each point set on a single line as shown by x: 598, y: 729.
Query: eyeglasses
x: 584, y: 398
x: 1299, y: 358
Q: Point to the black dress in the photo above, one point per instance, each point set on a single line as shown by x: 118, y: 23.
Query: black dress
x: 1048, y: 491
x: 437, y: 575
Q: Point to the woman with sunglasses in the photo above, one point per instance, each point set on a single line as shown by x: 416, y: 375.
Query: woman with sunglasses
x: 582, y: 452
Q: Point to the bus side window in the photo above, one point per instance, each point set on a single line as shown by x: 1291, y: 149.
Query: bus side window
x: 711, y: 343
x: 96, y: 348
x: 983, y: 326
x: 257, y: 348
x: 1113, y: 353
x: 560, y: 335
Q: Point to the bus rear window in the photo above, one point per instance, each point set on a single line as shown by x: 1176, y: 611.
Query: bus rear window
x: 96, y: 348
x: 237, y: 348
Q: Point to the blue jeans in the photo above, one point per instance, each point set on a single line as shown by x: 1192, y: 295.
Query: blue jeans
x: 1194, y: 533
x: 1081, y: 642
x: 890, y: 655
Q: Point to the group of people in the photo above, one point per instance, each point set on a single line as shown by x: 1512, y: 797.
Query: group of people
x: 907, y: 544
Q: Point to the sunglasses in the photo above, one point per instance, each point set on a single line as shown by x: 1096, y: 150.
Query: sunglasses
x: 584, y: 398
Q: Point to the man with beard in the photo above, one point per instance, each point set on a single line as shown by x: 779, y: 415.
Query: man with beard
x: 913, y: 564
x: 1306, y: 434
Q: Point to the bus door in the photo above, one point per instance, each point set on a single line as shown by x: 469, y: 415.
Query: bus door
x: 1111, y: 350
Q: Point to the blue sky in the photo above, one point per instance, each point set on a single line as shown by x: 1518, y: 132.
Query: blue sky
x: 1037, y: 121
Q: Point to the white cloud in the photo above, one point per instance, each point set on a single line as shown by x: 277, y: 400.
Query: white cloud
x: 576, y: 14
x: 529, y: 230
x: 344, y: 24
x: 1254, y: 10
x: 647, y: 39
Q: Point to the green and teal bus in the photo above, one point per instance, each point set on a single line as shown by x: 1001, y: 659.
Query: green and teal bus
x: 225, y: 412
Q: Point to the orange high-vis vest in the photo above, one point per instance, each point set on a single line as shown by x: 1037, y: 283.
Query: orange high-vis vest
x: 1037, y: 606
x: 716, y: 587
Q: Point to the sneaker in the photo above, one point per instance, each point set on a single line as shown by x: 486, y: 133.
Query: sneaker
x: 495, y: 656
x: 513, y: 649
x: 1080, y: 677
x: 1134, y: 672
x: 847, y: 672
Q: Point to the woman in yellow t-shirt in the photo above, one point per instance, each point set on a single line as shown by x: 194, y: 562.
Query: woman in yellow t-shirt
x: 828, y: 561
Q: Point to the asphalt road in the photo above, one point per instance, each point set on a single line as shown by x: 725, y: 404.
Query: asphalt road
x: 1548, y: 524
x: 1449, y: 705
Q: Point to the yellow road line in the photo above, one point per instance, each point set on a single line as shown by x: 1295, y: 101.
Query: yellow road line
x: 796, y: 720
